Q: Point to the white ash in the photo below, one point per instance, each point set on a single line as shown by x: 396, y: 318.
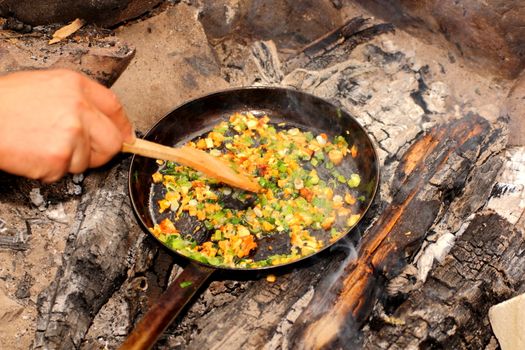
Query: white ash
x: 74, y: 184
x: 280, y: 339
x: 264, y: 55
x: 437, y: 250
x: 389, y: 46
x: 404, y: 282
x: 78, y: 178
x: 97, y: 336
x: 57, y: 214
x: 231, y: 10
x: 490, y: 111
x: 37, y: 199
x: 508, y: 199
x: 435, y: 97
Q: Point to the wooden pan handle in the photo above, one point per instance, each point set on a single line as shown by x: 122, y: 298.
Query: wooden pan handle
x: 167, y: 308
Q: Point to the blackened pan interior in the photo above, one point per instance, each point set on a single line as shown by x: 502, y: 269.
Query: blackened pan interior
x: 299, y: 109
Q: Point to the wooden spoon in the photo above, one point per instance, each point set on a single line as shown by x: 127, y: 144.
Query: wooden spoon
x: 194, y: 158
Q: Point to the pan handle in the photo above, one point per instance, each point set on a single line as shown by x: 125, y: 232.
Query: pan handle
x: 167, y: 308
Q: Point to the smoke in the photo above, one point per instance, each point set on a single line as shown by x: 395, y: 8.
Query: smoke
x: 318, y: 326
x: 328, y: 287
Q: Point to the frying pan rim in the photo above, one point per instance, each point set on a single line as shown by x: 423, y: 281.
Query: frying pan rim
x: 244, y: 88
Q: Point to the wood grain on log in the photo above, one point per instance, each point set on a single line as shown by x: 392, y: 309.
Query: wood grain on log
x: 485, y: 267
x: 12, y: 243
x: 400, y: 229
x: 95, y: 263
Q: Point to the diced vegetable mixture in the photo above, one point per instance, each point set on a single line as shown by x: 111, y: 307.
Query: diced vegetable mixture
x: 295, y: 201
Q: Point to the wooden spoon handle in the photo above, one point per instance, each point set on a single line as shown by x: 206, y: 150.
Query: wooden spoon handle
x: 194, y: 158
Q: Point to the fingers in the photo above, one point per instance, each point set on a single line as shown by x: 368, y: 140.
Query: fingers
x: 107, y: 102
x: 94, y: 145
x: 80, y: 158
x: 104, y: 137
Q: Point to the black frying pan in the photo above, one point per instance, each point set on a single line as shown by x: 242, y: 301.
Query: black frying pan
x: 199, y: 116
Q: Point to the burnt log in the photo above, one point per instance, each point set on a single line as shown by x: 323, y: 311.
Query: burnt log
x: 99, y: 57
x: 95, y: 263
x: 105, y: 13
x: 246, y: 311
x: 445, y: 152
x: 12, y: 243
x: 323, y: 51
x: 485, y: 266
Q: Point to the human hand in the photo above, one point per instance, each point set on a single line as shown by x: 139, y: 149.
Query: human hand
x: 58, y: 121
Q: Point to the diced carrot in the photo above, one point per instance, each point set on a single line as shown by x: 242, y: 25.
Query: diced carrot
x: 197, y: 183
x: 224, y: 245
x: 247, y: 244
x: 271, y: 278
x: 168, y: 227
x: 201, y: 144
x: 208, y: 249
x: 353, y: 151
x: 306, y: 194
x: 263, y: 169
x: 294, y: 238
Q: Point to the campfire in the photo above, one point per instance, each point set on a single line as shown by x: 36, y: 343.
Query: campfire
x: 436, y: 87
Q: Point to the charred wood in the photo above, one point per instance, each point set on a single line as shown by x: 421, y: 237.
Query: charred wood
x: 337, y: 35
x: 450, y: 311
x: 103, y: 12
x: 111, y: 272
x: 12, y: 243
x: 434, y: 167
x: 13, y: 240
x: 338, y: 43
x: 95, y: 263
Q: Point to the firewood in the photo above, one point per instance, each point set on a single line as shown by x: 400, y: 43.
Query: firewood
x: 93, y: 266
x: 450, y: 311
x: 450, y: 148
x: 103, y: 60
x: 345, y: 38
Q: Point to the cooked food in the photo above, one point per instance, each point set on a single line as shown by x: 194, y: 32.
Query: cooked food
x: 307, y: 201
